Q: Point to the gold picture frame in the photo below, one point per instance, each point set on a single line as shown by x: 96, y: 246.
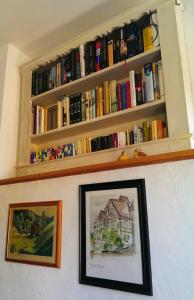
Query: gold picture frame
x: 34, y: 233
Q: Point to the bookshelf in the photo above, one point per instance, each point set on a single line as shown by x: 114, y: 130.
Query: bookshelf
x: 170, y: 108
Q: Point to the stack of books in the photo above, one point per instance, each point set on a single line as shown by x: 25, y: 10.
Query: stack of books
x: 107, y: 49
x: 107, y: 98
x: 139, y: 133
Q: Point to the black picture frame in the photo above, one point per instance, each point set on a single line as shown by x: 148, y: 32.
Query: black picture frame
x: 101, y: 222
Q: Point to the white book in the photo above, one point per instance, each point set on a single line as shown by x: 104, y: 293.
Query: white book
x: 132, y: 88
x: 82, y: 60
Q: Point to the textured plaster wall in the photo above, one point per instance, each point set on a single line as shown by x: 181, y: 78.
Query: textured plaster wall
x: 170, y: 203
x: 10, y: 60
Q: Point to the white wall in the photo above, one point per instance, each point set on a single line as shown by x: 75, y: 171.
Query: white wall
x: 10, y: 60
x: 169, y: 189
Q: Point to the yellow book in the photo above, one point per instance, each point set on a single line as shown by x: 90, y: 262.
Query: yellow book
x: 154, y: 134
x: 147, y: 38
x: 97, y: 102
x: 110, y: 53
x: 59, y: 114
x: 45, y: 119
x: 67, y: 110
x: 106, y: 98
x: 42, y: 120
x: 101, y: 101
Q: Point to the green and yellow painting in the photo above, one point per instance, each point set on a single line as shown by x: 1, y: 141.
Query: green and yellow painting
x: 32, y: 232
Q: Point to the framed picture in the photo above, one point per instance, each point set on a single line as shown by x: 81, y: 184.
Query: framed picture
x: 34, y: 233
x: 114, y: 240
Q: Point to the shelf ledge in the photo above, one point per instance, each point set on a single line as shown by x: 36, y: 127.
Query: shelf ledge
x: 133, y: 162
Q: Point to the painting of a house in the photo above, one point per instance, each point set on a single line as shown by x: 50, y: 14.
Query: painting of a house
x: 113, y: 228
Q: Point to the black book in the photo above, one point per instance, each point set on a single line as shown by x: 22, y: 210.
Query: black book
x: 33, y: 91
x: 138, y: 88
x: 77, y: 64
x: 115, y: 36
x: 90, y: 57
x: 66, y: 69
x: 133, y: 35
x: 131, y: 137
x: 73, y: 64
x: 71, y: 109
x: 75, y: 102
x: 104, y: 51
x: 78, y: 108
x: 123, y: 44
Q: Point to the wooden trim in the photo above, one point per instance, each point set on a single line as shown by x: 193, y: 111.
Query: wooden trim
x: 133, y: 162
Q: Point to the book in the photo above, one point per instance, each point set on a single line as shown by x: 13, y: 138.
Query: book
x: 83, y: 107
x: 146, y: 131
x: 82, y: 60
x: 106, y: 97
x: 113, y: 96
x: 101, y: 101
x: 59, y: 114
x: 156, y: 81
x: 119, y: 95
x: 93, y: 103
x: 160, y: 78
x: 128, y: 94
x: 134, y: 39
x: 65, y: 110
x: 110, y: 53
x: 132, y: 88
x: 138, y: 88
x: 147, y: 38
x: 98, y: 53
x: 90, y: 57
x: 149, y: 84
x: 123, y: 96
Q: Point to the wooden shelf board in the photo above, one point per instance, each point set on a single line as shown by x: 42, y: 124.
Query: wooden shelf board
x: 117, y: 71
x: 134, y: 162
x: 130, y: 114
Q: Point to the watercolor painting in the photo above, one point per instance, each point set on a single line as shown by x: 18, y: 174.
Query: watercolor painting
x: 112, y: 229
x: 33, y: 232
x: 114, y: 237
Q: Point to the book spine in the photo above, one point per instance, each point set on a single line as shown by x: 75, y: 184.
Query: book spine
x: 77, y: 64
x: 138, y: 87
x: 154, y: 135
x: 87, y: 102
x: 82, y: 60
x: 146, y: 131
x: 148, y: 73
x: 128, y: 94
x: 123, y: 96
x: 106, y: 98
x: 147, y: 38
x: 42, y: 120
x: 156, y: 81
x: 132, y: 88
x: 83, y: 107
x: 113, y: 93
x: 79, y: 108
x: 45, y: 119
x: 98, y: 54
x: 101, y: 100
x: 119, y: 95
x: 93, y: 96
x: 160, y: 78
x: 59, y: 114
x: 110, y: 53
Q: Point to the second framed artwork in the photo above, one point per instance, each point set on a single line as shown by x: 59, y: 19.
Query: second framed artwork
x: 114, y: 239
x: 34, y: 233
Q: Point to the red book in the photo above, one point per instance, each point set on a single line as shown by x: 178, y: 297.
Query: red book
x: 128, y: 94
x: 119, y: 95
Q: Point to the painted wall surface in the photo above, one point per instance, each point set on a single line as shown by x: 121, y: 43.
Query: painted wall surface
x: 169, y: 189
x: 10, y: 58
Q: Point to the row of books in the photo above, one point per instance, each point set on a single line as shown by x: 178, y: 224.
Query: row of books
x: 121, y: 43
x: 148, y: 131
x: 107, y: 98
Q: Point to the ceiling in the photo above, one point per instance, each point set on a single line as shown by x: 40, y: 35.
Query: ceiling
x: 38, y: 25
